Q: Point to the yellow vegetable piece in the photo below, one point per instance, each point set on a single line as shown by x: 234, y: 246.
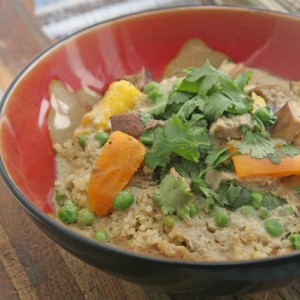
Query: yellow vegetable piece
x: 258, y: 100
x: 120, y: 97
x: 120, y: 158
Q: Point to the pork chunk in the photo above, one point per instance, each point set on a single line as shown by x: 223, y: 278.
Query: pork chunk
x: 274, y: 95
x: 225, y: 129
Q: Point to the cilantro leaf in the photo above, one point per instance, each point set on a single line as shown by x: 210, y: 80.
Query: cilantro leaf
x: 266, y: 115
x: 218, y: 91
x: 175, y: 196
x: 175, y: 102
x: 232, y: 195
x: 160, y: 105
x: 274, y: 158
x: 217, y: 156
x: 215, y: 105
x: 189, y: 106
x: 283, y: 151
x: 178, y: 138
x: 187, y: 168
x: 201, y: 80
x: 160, y: 155
x: 240, y: 101
x: 289, y: 150
x: 242, y: 79
x: 256, y: 144
x: 179, y: 98
x: 270, y: 201
x: 200, y: 187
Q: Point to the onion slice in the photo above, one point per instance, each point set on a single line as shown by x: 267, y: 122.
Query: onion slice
x: 67, y: 109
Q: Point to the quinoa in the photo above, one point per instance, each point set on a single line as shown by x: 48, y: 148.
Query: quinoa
x: 142, y: 227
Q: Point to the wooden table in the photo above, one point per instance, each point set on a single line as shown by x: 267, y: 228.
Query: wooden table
x: 31, y: 265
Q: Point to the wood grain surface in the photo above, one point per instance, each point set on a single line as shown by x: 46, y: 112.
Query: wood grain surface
x: 31, y: 265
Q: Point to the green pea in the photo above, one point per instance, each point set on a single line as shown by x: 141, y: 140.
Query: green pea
x: 68, y: 214
x: 70, y: 202
x: 274, y: 227
x: 264, y: 213
x: 147, y: 137
x: 86, y: 217
x: 295, y: 240
x: 82, y: 141
x: 60, y: 195
x: 101, y: 235
x: 170, y: 221
x: 193, y: 210
x: 221, y: 218
x: 152, y: 89
x: 247, y: 211
x: 257, y: 198
x: 123, y: 200
x: 101, y: 137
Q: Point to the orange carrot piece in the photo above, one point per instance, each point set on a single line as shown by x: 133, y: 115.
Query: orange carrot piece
x: 120, y: 158
x: 247, y: 166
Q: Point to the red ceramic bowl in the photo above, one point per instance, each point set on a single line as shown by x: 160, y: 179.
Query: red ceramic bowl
x: 100, y: 54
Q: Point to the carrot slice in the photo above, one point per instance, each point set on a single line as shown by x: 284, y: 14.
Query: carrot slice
x: 247, y: 166
x: 120, y: 158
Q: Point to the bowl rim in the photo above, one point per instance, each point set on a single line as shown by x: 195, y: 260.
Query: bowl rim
x: 41, y: 216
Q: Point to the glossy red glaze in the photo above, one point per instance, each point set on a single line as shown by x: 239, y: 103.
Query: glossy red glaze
x: 101, y: 54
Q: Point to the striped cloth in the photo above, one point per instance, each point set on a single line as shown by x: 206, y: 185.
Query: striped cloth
x: 59, y: 18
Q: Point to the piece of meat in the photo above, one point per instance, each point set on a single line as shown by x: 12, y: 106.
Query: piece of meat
x: 287, y: 126
x: 140, y: 79
x: 295, y: 87
x: 261, y: 77
x: 274, y: 95
x: 129, y: 123
x: 193, y: 53
x: 232, y: 68
x: 225, y: 129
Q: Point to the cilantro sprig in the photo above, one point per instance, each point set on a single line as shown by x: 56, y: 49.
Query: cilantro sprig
x: 206, y: 90
x: 258, y: 144
x: 190, y: 105
x: 177, y: 138
x: 174, y: 196
x: 218, y: 92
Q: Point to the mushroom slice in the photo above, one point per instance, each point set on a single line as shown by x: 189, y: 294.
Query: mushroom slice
x: 129, y: 123
x: 287, y: 126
